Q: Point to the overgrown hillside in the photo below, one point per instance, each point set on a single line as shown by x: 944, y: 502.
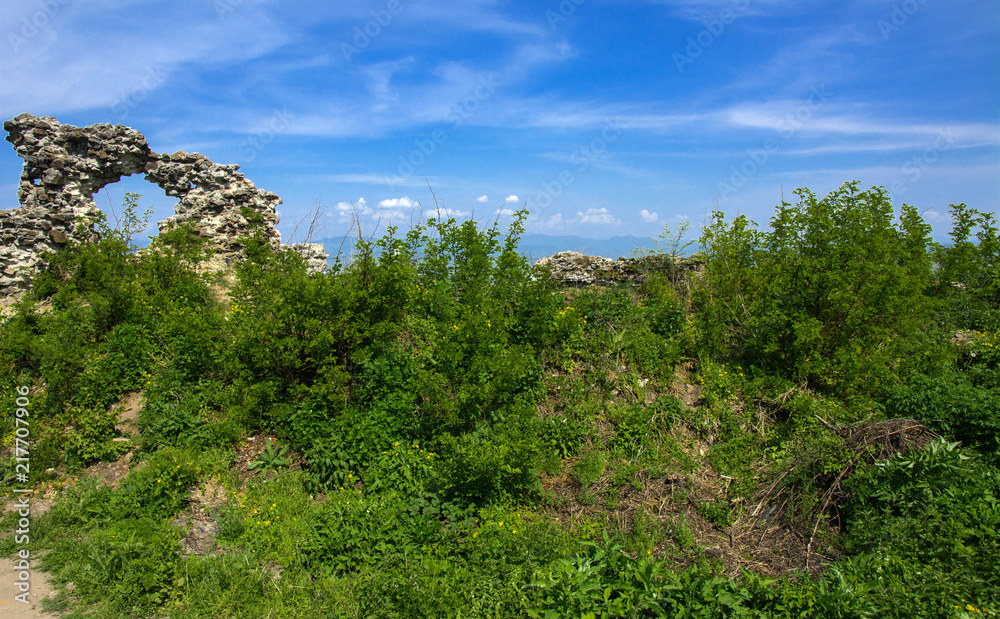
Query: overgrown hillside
x: 433, y: 429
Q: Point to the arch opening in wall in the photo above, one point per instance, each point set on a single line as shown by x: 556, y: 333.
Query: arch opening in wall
x: 110, y: 200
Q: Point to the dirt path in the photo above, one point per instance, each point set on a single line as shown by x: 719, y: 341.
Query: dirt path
x: 41, y: 588
x: 12, y: 608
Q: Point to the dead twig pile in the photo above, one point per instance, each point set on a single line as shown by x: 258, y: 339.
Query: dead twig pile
x: 778, y: 514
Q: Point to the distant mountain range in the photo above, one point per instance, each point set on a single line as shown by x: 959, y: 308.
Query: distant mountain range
x: 536, y: 246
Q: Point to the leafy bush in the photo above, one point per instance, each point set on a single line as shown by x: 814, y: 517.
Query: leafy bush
x: 665, y: 313
x: 562, y: 435
x: 589, y: 468
x: 973, y: 265
x: 926, y: 526
x: 184, y: 414
x: 824, y: 295
x: 406, y: 469
x: 638, y: 427
x: 157, y: 489
x: 952, y: 406
x: 491, y: 465
x: 353, y: 531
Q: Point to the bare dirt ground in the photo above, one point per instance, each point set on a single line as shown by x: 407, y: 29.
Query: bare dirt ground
x: 41, y: 588
x: 11, y: 608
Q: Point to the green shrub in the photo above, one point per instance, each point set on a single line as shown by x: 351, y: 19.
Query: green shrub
x: 562, y: 435
x: 353, y: 531
x: 491, y: 465
x: 973, y: 265
x: 157, y: 489
x: 638, y: 427
x: 824, y: 296
x: 404, y: 469
x: 184, y: 414
x: 926, y: 526
x: 952, y: 406
x: 664, y: 312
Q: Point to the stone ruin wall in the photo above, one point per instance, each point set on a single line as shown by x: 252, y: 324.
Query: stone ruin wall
x: 572, y: 268
x: 64, y: 166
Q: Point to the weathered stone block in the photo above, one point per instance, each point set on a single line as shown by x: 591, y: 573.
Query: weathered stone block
x: 64, y: 166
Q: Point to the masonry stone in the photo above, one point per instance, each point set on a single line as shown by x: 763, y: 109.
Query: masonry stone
x: 64, y: 166
x: 572, y: 268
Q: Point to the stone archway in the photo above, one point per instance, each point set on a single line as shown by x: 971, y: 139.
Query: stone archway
x: 64, y: 166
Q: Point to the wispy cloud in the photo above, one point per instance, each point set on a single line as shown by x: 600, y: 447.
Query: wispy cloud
x: 700, y: 10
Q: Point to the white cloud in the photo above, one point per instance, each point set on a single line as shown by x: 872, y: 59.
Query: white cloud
x: 596, y: 216
x: 100, y: 56
x: 373, y: 179
x: 555, y: 221
x: 511, y: 199
x: 482, y: 199
x: 504, y: 211
x: 346, y: 210
x: 344, y: 207
x: 933, y: 216
x: 702, y: 10
x: 648, y: 217
x: 403, y: 202
x: 450, y: 212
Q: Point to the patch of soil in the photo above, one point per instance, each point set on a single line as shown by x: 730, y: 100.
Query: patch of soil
x: 684, y: 386
x: 109, y: 473
x: 664, y: 500
x: 41, y: 588
x: 128, y: 413
x: 201, y: 519
x: 10, y: 608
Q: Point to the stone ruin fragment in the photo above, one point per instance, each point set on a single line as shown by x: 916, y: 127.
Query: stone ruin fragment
x: 64, y: 166
x: 572, y: 268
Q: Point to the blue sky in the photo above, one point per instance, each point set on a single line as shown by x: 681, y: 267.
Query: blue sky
x: 604, y: 117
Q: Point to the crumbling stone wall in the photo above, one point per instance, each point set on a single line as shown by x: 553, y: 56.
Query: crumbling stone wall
x: 64, y: 166
x: 575, y: 269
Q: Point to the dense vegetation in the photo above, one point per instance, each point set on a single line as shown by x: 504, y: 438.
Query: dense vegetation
x: 432, y: 429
